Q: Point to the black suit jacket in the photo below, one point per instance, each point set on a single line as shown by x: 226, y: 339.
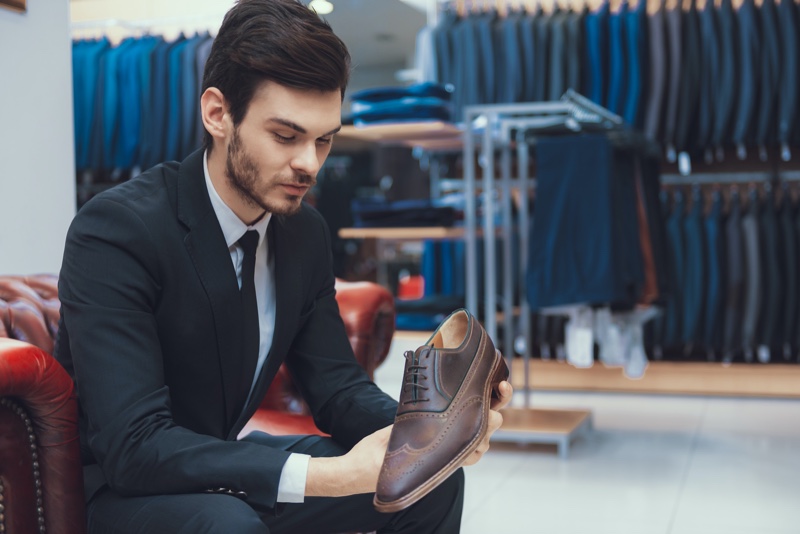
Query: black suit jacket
x: 151, y: 332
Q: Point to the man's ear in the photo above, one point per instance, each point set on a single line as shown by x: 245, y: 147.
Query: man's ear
x: 214, y: 111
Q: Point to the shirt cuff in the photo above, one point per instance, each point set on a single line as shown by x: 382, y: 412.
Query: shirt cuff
x: 292, y: 485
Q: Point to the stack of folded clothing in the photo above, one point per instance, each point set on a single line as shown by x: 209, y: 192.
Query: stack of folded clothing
x: 419, y: 102
x: 380, y: 213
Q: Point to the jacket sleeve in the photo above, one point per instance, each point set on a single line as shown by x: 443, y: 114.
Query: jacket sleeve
x: 109, y: 289
x: 343, y: 400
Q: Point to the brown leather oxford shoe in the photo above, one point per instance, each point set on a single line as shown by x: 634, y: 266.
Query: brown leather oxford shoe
x: 443, y: 413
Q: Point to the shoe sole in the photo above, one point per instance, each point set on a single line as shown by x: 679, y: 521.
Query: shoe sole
x: 499, y: 373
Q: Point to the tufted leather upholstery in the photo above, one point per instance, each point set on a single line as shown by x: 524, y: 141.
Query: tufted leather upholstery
x: 38, y: 404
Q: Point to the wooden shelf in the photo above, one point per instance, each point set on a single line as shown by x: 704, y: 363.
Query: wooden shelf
x: 682, y: 378
x: 544, y: 425
x: 431, y: 135
x: 410, y: 233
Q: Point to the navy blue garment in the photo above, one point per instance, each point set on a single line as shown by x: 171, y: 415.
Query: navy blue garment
x: 753, y: 307
x: 527, y: 33
x: 203, y: 51
x: 674, y: 21
x: 112, y: 103
x: 190, y: 102
x: 658, y: 63
x: 625, y: 196
x: 766, y: 115
x: 715, y: 281
x: 577, y: 253
x: 789, y: 246
x: 709, y: 75
x: 542, y: 56
x: 511, y: 87
x: 86, y: 79
x: 391, y: 93
x: 154, y: 125
x: 403, y: 109
x: 673, y: 329
x: 790, y: 71
x: 728, y: 82
x: 635, y: 23
x: 558, y: 43
x: 576, y: 60
x: 694, y: 272
x: 597, y: 51
x: 487, y: 78
x: 618, y: 61
x: 735, y: 280
x: 749, y: 57
x: 686, y: 120
x: 96, y: 151
x: 175, y: 98
x: 468, y: 65
x: 773, y: 288
x: 443, y: 41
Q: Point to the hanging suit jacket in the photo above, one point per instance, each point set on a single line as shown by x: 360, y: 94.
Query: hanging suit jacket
x: 788, y: 96
x: 690, y: 77
x: 748, y: 75
x: 717, y: 267
x: 597, y: 51
x: 709, y: 75
x: 734, y: 280
x: 789, y: 244
x: 674, y: 21
x: 727, y: 93
x: 654, y: 104
x: 618, y: 62
x: 151, y: 331
x: 770, y: 62
x: 752, y: 305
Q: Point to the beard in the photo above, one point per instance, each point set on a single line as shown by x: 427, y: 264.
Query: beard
x: 243, y: 175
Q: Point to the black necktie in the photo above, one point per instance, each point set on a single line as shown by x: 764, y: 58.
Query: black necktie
x: 250, y: 328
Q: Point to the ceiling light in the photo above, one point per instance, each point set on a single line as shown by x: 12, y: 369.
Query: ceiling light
x: 322, y: 7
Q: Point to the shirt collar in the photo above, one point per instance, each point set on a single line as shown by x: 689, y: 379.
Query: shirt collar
x: 232, y: 226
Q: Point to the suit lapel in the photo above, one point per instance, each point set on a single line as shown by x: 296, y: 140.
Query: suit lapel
x: 206, y: 246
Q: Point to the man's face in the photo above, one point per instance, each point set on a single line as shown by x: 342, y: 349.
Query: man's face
x: 274, y: 154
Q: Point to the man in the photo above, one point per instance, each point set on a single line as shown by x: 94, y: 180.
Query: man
x: 155, y: 334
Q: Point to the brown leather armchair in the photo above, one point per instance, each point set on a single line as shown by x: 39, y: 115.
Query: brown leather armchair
x: 41, y: 481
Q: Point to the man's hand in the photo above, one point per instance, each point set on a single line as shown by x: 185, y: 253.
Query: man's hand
x: 355, y: 472
x: 495, y: 420
x: 358, y: 470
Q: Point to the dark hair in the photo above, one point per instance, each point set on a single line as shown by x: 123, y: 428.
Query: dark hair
x: 277, y: 40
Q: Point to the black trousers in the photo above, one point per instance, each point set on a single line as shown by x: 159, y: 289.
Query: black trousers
x: 439, y: 512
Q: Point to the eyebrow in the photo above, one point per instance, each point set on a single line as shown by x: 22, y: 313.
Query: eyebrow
x: 299, y: 129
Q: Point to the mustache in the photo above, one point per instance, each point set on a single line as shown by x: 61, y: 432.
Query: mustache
x: 303, y: 179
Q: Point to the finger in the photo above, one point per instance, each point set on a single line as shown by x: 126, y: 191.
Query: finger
x: 506, y: 392
x: 495, y: 420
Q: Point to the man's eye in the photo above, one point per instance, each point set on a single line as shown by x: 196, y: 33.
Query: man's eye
x: 323, y: 141
x: 281, y: 139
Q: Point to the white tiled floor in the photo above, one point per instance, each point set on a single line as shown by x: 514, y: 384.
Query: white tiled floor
x: 653, y: 465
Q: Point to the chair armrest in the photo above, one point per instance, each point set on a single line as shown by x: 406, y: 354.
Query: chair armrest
x: 38, y: 407
x: 368, y: 313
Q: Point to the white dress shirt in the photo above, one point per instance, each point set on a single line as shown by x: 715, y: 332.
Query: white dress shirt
x: 292, y: 485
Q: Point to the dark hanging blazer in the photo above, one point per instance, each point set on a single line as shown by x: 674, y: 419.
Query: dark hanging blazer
x: 151, y: 331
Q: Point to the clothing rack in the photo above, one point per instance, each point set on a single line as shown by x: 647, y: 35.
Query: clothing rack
x: 495, y: 131
x: 729, y: 178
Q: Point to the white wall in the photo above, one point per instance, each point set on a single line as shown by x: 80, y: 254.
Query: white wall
x: 37, y: 181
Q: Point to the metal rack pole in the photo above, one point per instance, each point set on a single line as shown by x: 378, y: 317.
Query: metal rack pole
x: 470, y: 218
x: 508, y: 257
x: 490, y: 280
x: 524, y: 226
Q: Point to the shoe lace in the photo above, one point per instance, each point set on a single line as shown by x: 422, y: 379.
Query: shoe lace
x: 414, y: 372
